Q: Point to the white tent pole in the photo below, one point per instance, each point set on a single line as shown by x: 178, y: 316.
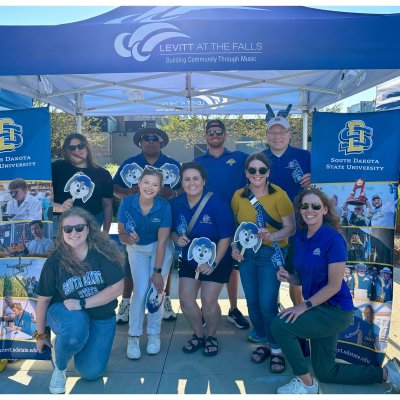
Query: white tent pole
x: 78, y: 112
x: 305, y: 129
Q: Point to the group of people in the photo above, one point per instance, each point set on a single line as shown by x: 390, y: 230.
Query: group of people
x: 219, y: 190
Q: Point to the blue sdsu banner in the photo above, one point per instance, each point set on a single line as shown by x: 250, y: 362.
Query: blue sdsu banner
x: 25, y: 227
x: 355, y: 160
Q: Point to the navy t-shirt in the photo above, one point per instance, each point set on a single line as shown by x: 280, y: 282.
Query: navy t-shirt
x: 311, y: 259
x: 215, y: 222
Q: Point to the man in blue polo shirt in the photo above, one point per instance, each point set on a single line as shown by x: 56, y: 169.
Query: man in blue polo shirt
x: 225, y: 174
x: 151, y: 141
x: 290, y: 170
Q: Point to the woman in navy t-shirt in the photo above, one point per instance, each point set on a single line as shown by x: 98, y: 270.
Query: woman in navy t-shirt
x: 319, y: 262
x: 215, y: 222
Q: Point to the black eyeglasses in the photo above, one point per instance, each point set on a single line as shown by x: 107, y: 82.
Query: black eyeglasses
x: 78, y: 228
x: 261, y: 171
x: 218, y: 133
x: 73, y: 147
x: 314, y: 206
x: 151, y: 138
x: 151, y: 168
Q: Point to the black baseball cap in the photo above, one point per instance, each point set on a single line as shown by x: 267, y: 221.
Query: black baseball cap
x: 215, y: 123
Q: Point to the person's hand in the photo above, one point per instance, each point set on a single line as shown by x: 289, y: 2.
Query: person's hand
x: 12, y: 326
x: 205, y: 269
x: 133, y: 238
x: 41, y: 343
x: 265, y: 235
x: 183, y: 241
x: 236, y: 254
x: 292, y: 313
x: 72, y: 305
x: 158, y: 281
x: 67, y: 204
x: 305, y: 180
x: 282, y: 275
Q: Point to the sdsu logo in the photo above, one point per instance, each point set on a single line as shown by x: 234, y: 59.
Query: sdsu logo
x: 10, y: 135
x: 355, y: 138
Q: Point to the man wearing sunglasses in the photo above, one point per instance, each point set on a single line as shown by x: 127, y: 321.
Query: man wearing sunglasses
x: 225, y: 174
x: 78, y: 157
x: 151, y: 140
x: 23, y: 205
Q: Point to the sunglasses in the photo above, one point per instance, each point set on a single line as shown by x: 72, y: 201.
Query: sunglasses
x: 73, y: 147
x: 151, y: 168
x: 314, y: 206
x: 212, y: 133
x: 151, y: 138
x: 261, y: 171
x: 78, y: 228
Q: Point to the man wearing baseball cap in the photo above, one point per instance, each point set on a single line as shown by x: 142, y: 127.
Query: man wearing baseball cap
x: 151, y: 140
x: 382, y: 214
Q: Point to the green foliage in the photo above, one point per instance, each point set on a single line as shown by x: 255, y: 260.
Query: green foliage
x: 12, y: 286
x: 111, y: 168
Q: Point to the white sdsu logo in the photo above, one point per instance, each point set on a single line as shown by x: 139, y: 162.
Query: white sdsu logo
x: 317, y: 252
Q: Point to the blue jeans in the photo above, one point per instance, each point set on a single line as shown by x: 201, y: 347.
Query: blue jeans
x: 88, y: 340
x: 261, y: 288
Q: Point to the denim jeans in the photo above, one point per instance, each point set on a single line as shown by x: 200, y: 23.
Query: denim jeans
x: 88, y: 340
x: 142, y: 259
x: 261, y: 288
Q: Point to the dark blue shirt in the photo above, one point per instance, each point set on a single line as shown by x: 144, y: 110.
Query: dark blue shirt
x: 146, y: 226
x: 282, y: 169
x: 142, y: 162
x: 311, y: 259
x: 225, y: 174
x: 215, y: 221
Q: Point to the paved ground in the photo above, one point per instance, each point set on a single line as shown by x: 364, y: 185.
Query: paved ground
x: 174, y: 372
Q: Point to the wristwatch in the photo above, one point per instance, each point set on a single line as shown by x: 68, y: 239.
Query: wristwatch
x: 158, y: 270
x: 214, y: 265
x: 82, y: 303
x: 309, y: 304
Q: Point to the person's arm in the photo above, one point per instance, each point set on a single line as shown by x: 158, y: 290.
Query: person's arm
x: 222, y: 247
x: 305, y: 181
x: 65, y: 206
x: 377, y: 343
x: 289, y: 229
x: 359, y: 337
x: 162, y: 238
x: 41, y: 312
x: 35, y: 210
x: 125, y: 237
x: 335, y: 279
x: 99, y: 299
x: 283, y: 276
x: 107, y: 213
x: 122, y: 192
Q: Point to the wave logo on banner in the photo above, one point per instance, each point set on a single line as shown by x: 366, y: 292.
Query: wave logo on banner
x: 10, y: 135
x: 355, y: 137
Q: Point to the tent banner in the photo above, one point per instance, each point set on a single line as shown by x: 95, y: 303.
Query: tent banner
x: 350, y: 164
x: 26, y: 227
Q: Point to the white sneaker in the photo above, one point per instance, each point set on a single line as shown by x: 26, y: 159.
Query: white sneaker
x: 169, y: 314
x: 122, y: 316
x: 393, y: 369
x: 154, y: 345
x: 133, y: 349
x: 296, y: 386
x: 57, y: 381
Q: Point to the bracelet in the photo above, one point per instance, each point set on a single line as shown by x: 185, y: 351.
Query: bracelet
x: 158, y: 270
x: 40, y: 336
x: 214, y: 265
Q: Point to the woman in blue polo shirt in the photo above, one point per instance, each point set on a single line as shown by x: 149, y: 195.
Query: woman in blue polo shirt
x: 144, y: 224
x: 215, y: 222
x: 319, y: 261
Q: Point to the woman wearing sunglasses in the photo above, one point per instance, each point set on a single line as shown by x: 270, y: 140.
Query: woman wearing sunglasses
x: 92, y: 192
x: 319, y: 262
x: 269, y: 207
x: 144, y: 224
x: 77, y: 294
x: 214, y: 221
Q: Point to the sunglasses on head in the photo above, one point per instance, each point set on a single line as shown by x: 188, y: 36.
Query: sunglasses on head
x: 151, y: 168
x: 218, y: 133
x: 314, y: 206
x: 73, y: 147
x: 261, y: 171
x: 78, y: 228
x: 151, y: 138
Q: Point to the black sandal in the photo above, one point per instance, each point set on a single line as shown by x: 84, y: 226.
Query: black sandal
x: 194, y: 344
x: 277, y: 359
x: 260, y: 354
x: 211, y: 341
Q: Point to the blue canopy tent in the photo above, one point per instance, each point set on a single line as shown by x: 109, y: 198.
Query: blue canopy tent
x: 215, y: 60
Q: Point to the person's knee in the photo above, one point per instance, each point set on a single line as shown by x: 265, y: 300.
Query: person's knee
x: 90, y: 374
x: 209, y: 304
x: 187, y: 302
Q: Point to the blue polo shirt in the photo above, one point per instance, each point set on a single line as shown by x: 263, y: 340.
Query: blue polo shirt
x: 311, y: 259
x: 225, y: 174
x: 281, y: 169
x: 142, y: 162
x: 215, y: 221
x: 146, y: 226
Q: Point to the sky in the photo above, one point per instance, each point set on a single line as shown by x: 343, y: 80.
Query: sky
x: 46, y: 15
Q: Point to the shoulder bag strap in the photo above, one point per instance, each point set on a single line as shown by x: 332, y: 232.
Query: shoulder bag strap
x: 198, y: 211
